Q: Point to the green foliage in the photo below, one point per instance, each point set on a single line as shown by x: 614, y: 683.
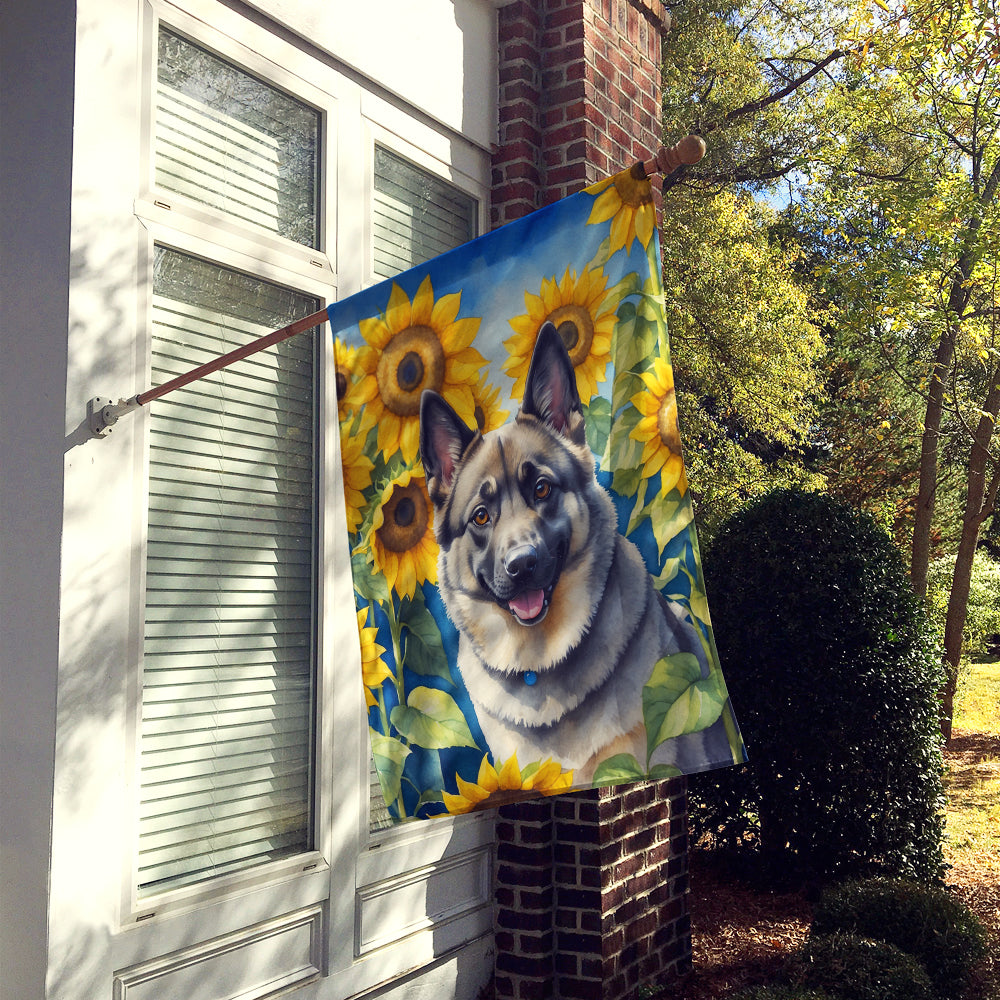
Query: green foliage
x: 926, y: 922
x: 983, y: 611
x: 833, y: 673
x: 857, y: 968
x: 780, y: 992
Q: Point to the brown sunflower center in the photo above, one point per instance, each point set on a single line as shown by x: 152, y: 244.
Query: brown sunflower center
x: 411, y: 362
x: 405, y: 519
x: 341, y: 383
x: 666, y: 422
x: 575, y: 326
x: 633, y: 193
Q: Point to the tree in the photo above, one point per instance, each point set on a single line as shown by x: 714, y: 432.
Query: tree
x: 912, y: 177
x: 748, y: 355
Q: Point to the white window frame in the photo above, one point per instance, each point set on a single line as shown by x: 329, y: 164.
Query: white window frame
x: 352, y: 874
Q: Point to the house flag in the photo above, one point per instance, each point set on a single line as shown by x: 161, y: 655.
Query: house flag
x: 529, y: 594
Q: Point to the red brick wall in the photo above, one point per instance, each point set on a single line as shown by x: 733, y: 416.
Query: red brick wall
x: 579, y: 96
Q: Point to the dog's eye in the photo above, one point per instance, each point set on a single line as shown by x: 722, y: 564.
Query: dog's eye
x: 542, y: 489
x: 480, y: 516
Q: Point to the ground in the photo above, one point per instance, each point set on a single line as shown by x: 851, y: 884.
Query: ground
x: 742, y: 935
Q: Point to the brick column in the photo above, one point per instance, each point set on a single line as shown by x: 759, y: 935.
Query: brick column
x: 579, y: 96
x: 591, y: 888
x: 591, y: 893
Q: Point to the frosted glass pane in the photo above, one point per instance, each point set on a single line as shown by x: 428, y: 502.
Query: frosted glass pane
x: 227, y: 139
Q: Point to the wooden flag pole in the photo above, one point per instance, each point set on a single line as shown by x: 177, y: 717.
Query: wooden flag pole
x: 103, y: 413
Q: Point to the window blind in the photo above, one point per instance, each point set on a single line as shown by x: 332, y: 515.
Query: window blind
x: 228, y: 654
x: 416, y: 216
x: 228, y: 140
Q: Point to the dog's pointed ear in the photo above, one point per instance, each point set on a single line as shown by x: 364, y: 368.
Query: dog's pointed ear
x: 444, y: 436
x: 550, y: 391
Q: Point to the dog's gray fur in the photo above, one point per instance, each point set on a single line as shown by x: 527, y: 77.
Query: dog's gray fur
x: 549, y: 532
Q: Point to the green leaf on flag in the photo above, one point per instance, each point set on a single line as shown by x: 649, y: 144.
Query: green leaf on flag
x: 615, y: 770
x: 598, y: 424
x: 390, y: 757
x: 424, y: 654
x: 432, y: 719
x: 369, y: 585
x: 678, y: 700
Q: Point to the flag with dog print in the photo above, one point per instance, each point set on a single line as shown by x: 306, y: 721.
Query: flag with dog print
x: 530, y: 603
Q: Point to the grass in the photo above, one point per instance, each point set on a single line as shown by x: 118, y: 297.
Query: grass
x: 978, y: 698
x: 973, y: 785
x: 972, y: 848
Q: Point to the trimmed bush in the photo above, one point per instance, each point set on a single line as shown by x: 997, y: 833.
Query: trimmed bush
x: 925, y: 922
x: 782, y: 993
x: 834, y: 672
x: 856, y: 968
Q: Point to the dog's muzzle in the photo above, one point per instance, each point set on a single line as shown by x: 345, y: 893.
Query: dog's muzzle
x: 530, y: 603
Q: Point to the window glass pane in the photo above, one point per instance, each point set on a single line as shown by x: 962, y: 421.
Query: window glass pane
x: 228, y: 659
x: 231, y: 141
x: 417, y: 215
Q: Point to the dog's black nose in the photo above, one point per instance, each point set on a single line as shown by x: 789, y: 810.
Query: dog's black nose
x: 521, y: 561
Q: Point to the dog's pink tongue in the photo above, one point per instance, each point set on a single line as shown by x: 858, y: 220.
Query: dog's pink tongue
x: 527, y: 605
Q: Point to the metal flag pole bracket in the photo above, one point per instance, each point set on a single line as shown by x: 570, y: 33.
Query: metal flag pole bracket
x: 103, y: 413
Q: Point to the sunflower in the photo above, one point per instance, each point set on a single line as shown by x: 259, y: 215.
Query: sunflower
x: 628, y: 202
x: 488, y: 414
x: 344, y: 361
x: 357, y: 468
x: 373, y: 668
x: 403, y: 547
x: 544, y: 778
x: 658, y: 428
x: 415, y: 346
x: 578, y: 307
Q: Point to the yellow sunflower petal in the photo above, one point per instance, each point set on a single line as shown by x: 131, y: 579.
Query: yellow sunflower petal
x: 620, y: 226
x: 645, y: 223
x: 375, y: 332
x: 456, y: 804
x: 444, y: 312
x: 509, y: 775
x: 458, y: 336
x: 488, y: 777
x: 423, y: 304
x: 605, y: 206
x: 543, y: 777
x: 561, y: 784
x: 470, y: 790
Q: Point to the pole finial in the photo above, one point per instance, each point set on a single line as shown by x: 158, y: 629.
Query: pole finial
x: 668, y: 158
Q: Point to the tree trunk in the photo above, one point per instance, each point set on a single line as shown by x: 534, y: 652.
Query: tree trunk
x: 920, y: 553
x: 979, y: 502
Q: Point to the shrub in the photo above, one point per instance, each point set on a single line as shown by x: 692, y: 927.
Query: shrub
x: 856, y: 968
x: 834, y: 673
x: 925, y: 922
x: 782, y: 993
